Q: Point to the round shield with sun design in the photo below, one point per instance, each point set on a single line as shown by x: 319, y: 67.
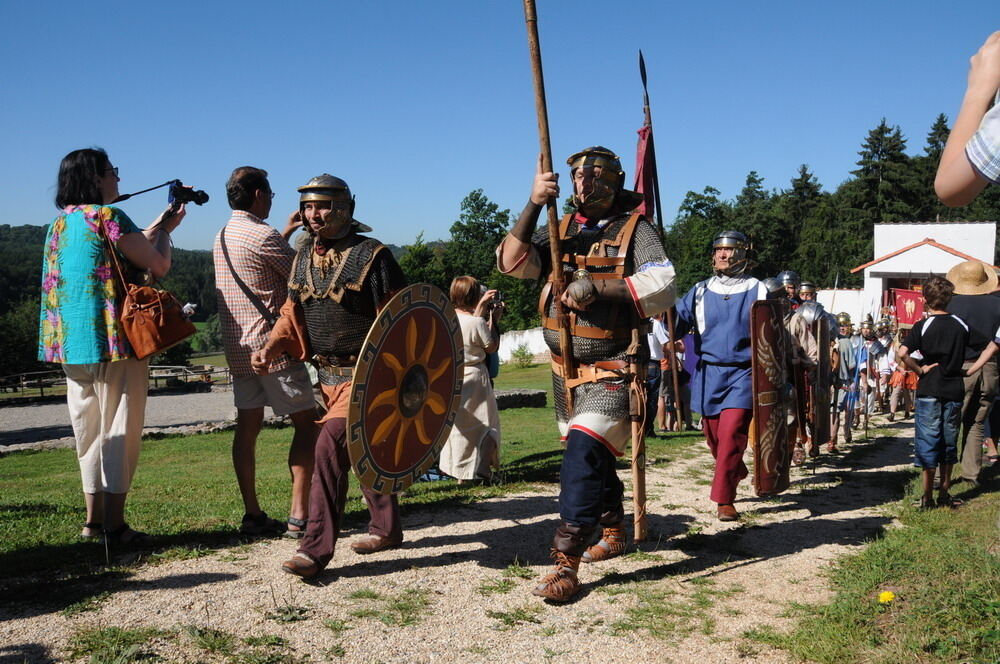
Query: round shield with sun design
x: 406, y: 389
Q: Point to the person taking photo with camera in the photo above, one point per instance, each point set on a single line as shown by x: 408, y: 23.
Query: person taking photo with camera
x: 80, y: 328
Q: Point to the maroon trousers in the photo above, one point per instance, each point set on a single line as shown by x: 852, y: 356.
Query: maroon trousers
x: 726, y: 435
x: 329, y: 493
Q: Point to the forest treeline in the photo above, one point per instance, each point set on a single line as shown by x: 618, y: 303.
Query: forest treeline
x: 802, y: 225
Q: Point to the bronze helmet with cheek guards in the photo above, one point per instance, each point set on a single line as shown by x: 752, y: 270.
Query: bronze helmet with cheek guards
x: 608, y: 184
x: 329, y: 188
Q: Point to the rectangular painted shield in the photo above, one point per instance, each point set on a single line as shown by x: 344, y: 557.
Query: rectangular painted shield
x: 821, y: 396
x: 772, y: 397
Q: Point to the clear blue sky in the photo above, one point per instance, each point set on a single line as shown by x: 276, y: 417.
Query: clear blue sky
x: 415, y: 104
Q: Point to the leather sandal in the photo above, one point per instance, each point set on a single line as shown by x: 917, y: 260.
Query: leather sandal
x: 300, y: 528
x: 260, y: 524
x: 611, y: 544
x: 96, y: 529
x: 126, y: 536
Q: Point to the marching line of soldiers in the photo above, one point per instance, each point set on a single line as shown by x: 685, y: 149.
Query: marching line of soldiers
x: 840, y: 377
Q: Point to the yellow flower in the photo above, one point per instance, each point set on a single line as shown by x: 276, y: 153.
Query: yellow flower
x: 886, y: 596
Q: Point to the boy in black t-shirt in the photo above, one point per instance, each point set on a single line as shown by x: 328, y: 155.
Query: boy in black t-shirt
x: 940, y: 339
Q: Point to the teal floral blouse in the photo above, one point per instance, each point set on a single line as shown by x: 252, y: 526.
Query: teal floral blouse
x: 80, y: 300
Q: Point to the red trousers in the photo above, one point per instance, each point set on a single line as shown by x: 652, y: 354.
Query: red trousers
x: 328, y: 494
x: 726, y: 435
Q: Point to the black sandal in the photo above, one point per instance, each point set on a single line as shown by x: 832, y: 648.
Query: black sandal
x: 96, y: 528
x: 298, y: 523
x: 126, y: 536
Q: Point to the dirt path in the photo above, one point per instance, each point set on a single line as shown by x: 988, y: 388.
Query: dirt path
x: 688, y: 595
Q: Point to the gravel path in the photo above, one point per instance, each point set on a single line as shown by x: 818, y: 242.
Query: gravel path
x: 48, y: 425
x: 689, y: 595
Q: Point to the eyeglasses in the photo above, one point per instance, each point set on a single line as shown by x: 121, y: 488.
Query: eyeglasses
x: 113, y: 169
x: 273, y: 195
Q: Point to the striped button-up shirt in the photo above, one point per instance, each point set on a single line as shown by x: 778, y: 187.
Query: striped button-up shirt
x: 983, y: 149
x: 263, y: 261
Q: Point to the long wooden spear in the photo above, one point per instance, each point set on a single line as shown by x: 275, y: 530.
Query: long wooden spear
x: 555, y: 250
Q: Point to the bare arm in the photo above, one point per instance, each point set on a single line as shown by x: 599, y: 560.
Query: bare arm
x: 957, y: 182
x: 545, y: 188
x: 150, y: 249
x: 984, y: 357
x: 903, y: 357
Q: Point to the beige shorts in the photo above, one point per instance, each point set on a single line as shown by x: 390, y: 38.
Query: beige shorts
x: 287, y: 391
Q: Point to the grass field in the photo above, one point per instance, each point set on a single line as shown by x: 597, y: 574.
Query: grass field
x: 941, y: 567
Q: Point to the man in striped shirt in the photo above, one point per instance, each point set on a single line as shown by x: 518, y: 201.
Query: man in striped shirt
x: 252, y: 264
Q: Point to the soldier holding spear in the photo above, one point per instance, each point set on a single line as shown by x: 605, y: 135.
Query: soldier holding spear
x: 620, y: 276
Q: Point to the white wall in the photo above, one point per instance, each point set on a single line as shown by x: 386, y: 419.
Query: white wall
x: 976, y: 239
x: 852, y: 300
x: 511, y: 340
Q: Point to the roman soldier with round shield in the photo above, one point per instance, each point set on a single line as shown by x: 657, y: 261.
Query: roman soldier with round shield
x: 717, y: 311
x: 619, y: 277
x: 339, y: 281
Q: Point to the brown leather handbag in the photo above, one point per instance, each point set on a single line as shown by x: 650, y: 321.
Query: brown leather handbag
x: 151, y: 318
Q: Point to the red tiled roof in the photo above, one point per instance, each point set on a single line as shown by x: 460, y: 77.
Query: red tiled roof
x: 927, y: 240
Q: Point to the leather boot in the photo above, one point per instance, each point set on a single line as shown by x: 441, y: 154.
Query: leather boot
x: 562, y: 584
x: 613, y: 538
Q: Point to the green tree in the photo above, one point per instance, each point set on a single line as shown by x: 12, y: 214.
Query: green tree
x: 885, y: 186
x: 209, y: 337
x: 19, y: 338
x: 688, y: 241
x: 421, y: 263
x: 480, y: 227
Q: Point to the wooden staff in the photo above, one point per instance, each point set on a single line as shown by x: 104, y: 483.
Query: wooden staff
x: 637, y: 407
x: 555, y: 250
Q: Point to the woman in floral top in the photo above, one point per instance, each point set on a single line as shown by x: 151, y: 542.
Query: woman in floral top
x: 79, y: 328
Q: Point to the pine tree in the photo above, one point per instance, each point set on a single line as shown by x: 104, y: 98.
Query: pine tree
x: 885, y: 186
x: 924, y: 168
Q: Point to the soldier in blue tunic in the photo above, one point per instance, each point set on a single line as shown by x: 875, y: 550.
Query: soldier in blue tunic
x: 717, y: 311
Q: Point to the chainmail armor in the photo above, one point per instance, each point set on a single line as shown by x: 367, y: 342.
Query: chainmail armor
x: 608, y: 397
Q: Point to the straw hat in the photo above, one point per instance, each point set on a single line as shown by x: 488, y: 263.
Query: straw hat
x: 973, y: 278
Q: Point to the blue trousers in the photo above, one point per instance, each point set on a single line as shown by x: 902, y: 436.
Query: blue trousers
x: 936, y: 425
x: 590, y: 492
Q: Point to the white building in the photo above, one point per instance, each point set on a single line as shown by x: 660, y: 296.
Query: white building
x: 905, y: 254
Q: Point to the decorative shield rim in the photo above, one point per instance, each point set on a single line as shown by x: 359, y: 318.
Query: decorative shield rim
x: 772, y: 430
x: 370, y: 474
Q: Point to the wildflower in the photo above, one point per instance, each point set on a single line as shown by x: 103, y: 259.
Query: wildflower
x: 886, y: 596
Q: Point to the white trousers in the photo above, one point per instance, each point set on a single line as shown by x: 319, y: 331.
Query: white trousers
x: 107, y: 406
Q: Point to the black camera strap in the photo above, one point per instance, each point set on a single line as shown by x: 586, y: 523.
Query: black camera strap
x: 256, y: 301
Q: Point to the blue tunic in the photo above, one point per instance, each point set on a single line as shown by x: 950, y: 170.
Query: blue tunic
x: 717, y: 312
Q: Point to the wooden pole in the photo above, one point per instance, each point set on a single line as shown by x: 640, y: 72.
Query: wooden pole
x: 555, y: 250
x: 636, y: 407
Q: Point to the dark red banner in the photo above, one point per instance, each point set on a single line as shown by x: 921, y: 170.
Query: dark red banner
x: 909, y: 306
x: 644, y: 167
